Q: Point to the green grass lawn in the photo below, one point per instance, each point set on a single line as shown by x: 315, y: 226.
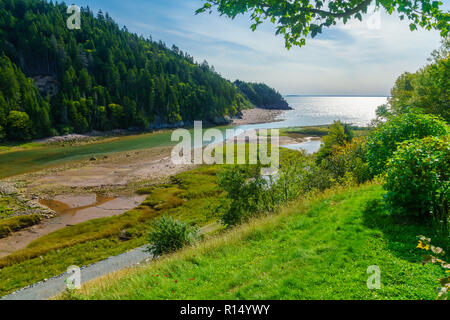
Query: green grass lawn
x: 313, y: 249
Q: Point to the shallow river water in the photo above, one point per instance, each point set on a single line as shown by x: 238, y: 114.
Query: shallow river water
x: 71, y: 211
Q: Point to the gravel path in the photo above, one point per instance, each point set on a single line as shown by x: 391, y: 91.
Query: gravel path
x: 56, y: 285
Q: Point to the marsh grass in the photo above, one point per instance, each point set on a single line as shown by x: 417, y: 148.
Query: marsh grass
x: 303, y: 132
x: 317, y: 131
x: 9, y: 225
x: 12, y: 205
x: 12, y: 215
x: 6, y: 206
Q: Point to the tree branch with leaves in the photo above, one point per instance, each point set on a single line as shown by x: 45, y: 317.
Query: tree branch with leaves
x: 298, y: 19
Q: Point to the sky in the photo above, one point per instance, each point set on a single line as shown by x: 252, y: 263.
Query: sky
x: 359, y: 58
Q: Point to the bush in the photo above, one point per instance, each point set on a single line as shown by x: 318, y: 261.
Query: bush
x: 248, y: 194
x: 19, y: 126
x: 418, y: 180
x: 339, y: 134
x: 383, y: 141
x: 349, y: 160
x: 169, y: 235
x: 64, y: 130
x: 245, y: 188
x: 316, y: 179
x: 289, y: 183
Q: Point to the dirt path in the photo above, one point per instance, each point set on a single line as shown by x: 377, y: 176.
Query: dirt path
x: 50, y: 288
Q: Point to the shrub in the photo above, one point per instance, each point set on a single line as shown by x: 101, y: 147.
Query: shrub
x: 64, y: 130
x: 383, y: 141
x: 349, y: 160
x: 248, y: 194
x: 244, y: 187
x: 339, y: 134
x: 169, y: 235
x: 289, y: 183
x: 418, y: 180
x: 19, y: 126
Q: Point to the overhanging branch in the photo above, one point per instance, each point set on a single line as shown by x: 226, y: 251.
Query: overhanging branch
x: 336, y: 15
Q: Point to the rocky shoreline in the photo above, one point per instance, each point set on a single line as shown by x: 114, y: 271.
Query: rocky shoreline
x: 23, y: 205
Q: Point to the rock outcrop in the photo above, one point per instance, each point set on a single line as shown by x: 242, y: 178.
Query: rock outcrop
x: 47, y: 85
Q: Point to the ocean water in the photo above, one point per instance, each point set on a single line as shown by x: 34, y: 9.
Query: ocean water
x: 323, y: 110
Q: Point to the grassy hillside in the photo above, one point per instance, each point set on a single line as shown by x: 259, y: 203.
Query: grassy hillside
x: 313, y: 249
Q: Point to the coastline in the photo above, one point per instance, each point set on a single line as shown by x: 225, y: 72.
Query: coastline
x: 249, y: 116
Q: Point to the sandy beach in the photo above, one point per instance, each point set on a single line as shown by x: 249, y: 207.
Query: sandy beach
x: 258, y: 115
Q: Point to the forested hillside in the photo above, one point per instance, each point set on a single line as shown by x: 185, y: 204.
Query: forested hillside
x: 262, y: 96
x: 54, y: 80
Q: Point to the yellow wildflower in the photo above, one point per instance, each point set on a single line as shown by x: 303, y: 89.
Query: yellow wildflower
x: 422, y: 246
